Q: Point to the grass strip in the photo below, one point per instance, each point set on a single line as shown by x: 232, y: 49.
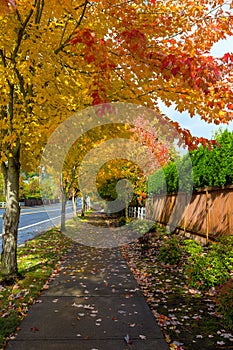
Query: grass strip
x: 37, y: 259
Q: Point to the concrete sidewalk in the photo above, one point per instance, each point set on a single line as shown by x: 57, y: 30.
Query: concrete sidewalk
x: 92, y: 304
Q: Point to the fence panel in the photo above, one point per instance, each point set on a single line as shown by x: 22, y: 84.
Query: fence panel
x: 209, y: 212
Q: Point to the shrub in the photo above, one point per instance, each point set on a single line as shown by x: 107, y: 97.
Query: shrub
x: 224, y: 249
x: 170, y: 252
x: 206, y: 271
x: 192, y: 248
x: 224, y: 301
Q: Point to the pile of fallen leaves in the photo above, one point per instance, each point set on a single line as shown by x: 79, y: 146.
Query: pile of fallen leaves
x: 36, y: 261
x: 187, y: 316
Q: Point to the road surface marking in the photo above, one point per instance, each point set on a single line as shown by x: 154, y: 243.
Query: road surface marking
x: 41, y: 211
x: 37, y: 211
x: 37, y: 223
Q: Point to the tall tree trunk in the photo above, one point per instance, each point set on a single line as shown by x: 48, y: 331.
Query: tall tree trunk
x: 74, y: 205
x: 83, y: 205
x: 11, y: 172
x: 63, y: 210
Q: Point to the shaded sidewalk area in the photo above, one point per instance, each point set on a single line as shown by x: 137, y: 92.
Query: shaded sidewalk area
x: 93, y: 302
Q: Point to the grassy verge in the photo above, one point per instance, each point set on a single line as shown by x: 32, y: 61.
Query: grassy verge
x: 36, y: 260
x: 181, y: 292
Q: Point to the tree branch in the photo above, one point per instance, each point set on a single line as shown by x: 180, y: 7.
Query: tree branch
x: 3, y: 57
x: 20, y: 35
x: 39, y: 11
x: 62, y: 46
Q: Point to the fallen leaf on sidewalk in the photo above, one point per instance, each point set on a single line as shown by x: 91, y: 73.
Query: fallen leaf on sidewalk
x: 34, y: 329
x: 128, y: 340
x: 77, y: 305
x: 142, y: 337
x: 45, y: 287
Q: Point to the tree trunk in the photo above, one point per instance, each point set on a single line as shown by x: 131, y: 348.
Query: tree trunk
x: 63, y: 211
x: 83, y: 205
x: 74, y: 205
x: 11, y: 172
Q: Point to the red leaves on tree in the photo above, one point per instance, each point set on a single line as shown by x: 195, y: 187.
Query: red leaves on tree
x: 141, y: 53
x: 227, y: 57
x: 148, y: 136
x: 96, y: 55
x: 199, y: 72
x: 193, y: 142
x: 230, y: 106
x: 85, y: 36
x: 134, y: 40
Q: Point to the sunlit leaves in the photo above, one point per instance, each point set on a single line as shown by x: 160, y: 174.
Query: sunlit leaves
x: 65, y: 55
x: 160, y: 49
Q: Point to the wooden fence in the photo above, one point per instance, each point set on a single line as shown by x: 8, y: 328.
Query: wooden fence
x: 209, y: 212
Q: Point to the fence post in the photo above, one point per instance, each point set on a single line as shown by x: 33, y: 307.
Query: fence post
x: 207, y: 216
x: 185, y: 214
x: 134, y: 212
x: 143, y: 213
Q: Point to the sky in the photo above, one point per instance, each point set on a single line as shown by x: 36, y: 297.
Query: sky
x: 197, y: 126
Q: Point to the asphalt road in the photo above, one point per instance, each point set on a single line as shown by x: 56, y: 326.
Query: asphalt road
x: 37, y: 219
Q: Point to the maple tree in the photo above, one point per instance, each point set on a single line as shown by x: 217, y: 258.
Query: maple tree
x: 129, y: 160
x: 60, y: 56
x: 160, y: 50
x: 108, y: 183
x: 34, y: 71
x: 72, y: 170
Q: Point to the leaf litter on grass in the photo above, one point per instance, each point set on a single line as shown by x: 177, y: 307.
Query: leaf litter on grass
x: 187, y: 316
x: 37, y: 260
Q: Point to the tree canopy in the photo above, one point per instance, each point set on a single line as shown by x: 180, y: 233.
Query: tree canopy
x: 60, y: 56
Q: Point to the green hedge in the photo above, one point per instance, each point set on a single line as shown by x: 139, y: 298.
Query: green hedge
x: 209, y: 168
